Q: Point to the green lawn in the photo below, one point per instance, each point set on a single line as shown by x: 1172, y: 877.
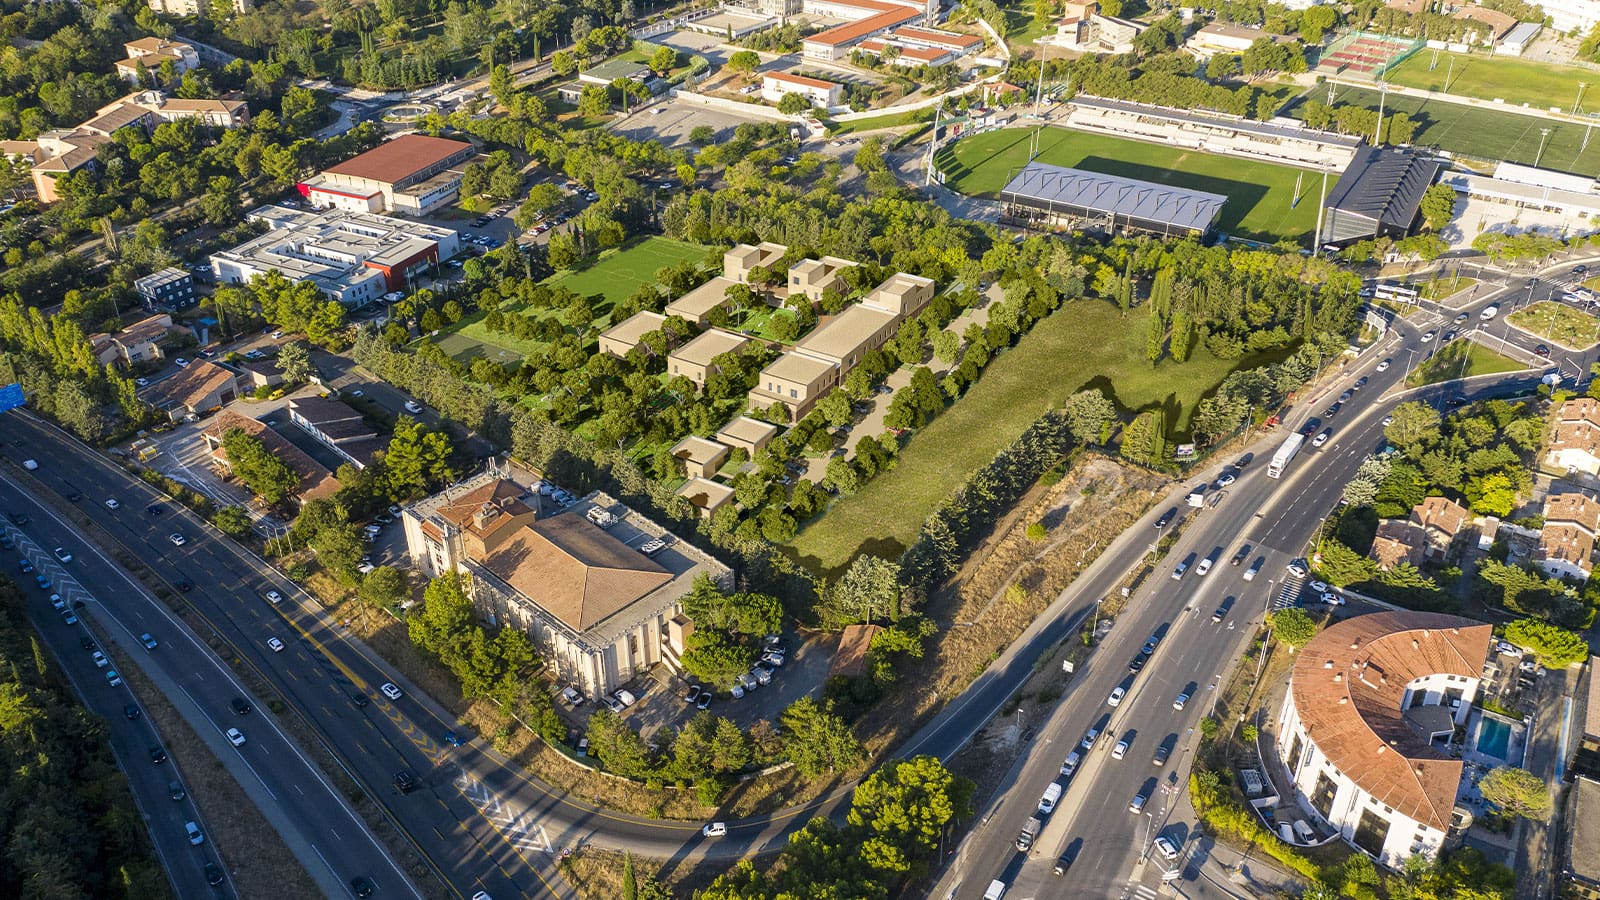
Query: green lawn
x: 887, y: 120
x: 1259, y: 194
x: 1086, y: 343
x: 1444, y: 286
x: 1458, y: 359
x: 1482, y: 133
x: 1558, y: 324
x: 1515, y: 81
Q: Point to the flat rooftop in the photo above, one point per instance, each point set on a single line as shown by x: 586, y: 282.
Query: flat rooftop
x: 707, y: 347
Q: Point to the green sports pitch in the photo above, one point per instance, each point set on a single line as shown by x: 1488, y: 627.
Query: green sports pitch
x: 1515, y: 82
x: 1262, y: 203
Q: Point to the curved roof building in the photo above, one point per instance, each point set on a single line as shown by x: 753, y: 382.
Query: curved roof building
x: 1369, y: 722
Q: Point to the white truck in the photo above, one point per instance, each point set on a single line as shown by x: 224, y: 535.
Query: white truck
x: 1030, y: 831
x: 1286, y: 452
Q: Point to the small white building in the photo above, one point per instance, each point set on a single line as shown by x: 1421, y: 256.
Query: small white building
x: 777, y: 85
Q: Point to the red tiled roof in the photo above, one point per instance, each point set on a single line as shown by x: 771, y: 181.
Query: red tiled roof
x: 943, y: 38
x: 854, y: 31
x: 802, y: 80
x: 574, y: 570
x: 395, y: 160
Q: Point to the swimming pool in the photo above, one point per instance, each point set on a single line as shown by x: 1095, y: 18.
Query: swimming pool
x: 1494, y: 738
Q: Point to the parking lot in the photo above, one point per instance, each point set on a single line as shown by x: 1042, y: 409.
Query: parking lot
x: 670, y: 122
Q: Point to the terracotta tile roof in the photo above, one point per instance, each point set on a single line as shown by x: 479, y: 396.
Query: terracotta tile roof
x: 802, y: 80
x: 1348, y: 685
x: 154, y: 44
x: 1398, y: 541
x: 1571, y: 524
x: 315, y: 480
x: 1439, y: 514
x: 892, y: 15
x: 1499, y: 23
x: 575, y: 570
x: 144, y: 331
x: 189, y: 386
x: 504, y: 495
x: 400, y: 158
x: 941, y: 38
x: 1577, y: 427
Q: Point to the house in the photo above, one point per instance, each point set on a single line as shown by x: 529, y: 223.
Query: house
x: 147, y: 54
x: 200, y: 388
x: 1223, y: 37
x: 705, y: 495
x: 777, y: 85
x: 258, y: 373
x: 597, y: 601
x: 1442, y: 521
x: 337, y: 427
x: 701, y: 458
x: 352, y: 257
x: 413, y: 174
x: 1566, y: 543
x: 169, y: 290
x: 696, y: 305
x: 812, y: 277
x: 694, y: 360
x: 738, y: 261
x: 1575, y: 444
x: 194, y: 8
x: 629, y: 333
x: 138, y: 342
x: 316, y: 482
x: 747, y: 434
x: 1399, y: 541
x: 1499, y: 24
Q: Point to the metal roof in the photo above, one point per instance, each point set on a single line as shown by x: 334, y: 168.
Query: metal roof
x: 1093, y: 192
x: 1385, y: 186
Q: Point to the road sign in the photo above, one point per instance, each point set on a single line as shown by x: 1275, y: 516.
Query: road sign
x: 11, y: 397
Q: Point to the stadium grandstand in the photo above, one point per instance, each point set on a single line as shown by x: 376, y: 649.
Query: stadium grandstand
x: 1046, y: 196
x: 1275, y: 142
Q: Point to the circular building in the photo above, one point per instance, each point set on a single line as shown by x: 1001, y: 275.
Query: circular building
x: 1368, y: 729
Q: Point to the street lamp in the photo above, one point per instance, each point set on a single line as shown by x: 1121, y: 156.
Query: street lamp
x: 1383, y: 94
x: 1581, y: 86
x: 1543, y: 134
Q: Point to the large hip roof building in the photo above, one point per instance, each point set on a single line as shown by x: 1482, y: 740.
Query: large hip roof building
x: 413, y: 174
x: 1366, y: 726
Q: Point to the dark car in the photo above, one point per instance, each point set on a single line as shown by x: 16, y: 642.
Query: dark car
x: 86, y: 642
x: 157, y: 754
x: 1542, y: 350
x: 20, y: 518
x: 360, y: 700
x: 1167, y: 517
x: 362, y: 886
x: 1333, y: 410
x: 404, y: 781
x: 1239, y: 557
x: 213, y: 874
x: 241, y: 706
x: 1063, y: 863
x: 1162, y: 752
x: 1244, y: 460
x: 1137, y: 662
x: 153, y: 510
x: 1311, y: 427
x: 131, y: 711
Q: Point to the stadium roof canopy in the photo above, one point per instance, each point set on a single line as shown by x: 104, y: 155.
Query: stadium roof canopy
x: 1139, y: 204
x: 1380, y: 194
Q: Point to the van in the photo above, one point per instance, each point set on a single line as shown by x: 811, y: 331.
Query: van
x: 1030, y: 830
x: 1071, y: 765
x: 997, y: 889
x: 1197, y: 496
x: 1052, y: 796
x: 1489, y: 313
x: 1285, y: 832
x: 30, y: 464
x: 1304, y: 831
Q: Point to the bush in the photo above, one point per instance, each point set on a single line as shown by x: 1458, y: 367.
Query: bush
x: 1556, y: 648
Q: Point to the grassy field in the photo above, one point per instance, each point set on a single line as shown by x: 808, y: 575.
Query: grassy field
x: 1515, y: 81
x: 1458, y: 359
x: 1259, y: 194
x: 614, y: 276
x: 1558, y: 324
x: 1482, y: 133
x: 1085, y: 344
x: 1440, y: 288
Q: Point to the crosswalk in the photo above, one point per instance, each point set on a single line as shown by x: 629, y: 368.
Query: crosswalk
x: 514, y: 823
x: 1289, y: 594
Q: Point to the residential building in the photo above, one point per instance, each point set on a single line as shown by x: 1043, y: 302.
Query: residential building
x: 258, y: 373
x: 1443, y: 521
x: 1575, y: 444
x: 738, y: 261
x: 337, y: 427
x: 701, y: 458
x: 1224, y: 37
x: 1586, y: 758
x: 1366, y: 732
x: 777, y: 85
x: 352, y: 257
x: 597, y: 607
x: 148, y: 54
x: 1566, y: 543
x: 200, y: 388
x: 413, y: 174
x: 705, y: 495
x: 747, y: 434
x: 737, y: 264
x: 169, y: 290
x: 135, y: 343
x: 316, y: 482
x: 813, y: 277
x: 629, y: 333
x: 696, y: 305
x: 1399, y: 541
x: 1575, y: 17
x: 694, y: 360
x: 864, y: 19
x: 194, y: 8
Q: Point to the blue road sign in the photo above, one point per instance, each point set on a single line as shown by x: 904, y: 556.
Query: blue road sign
x: 11, y: 397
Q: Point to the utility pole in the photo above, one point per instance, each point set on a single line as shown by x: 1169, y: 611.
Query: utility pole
x: 1544, y: 133
x: 1581, y: 86
x: 1383, y: 94
x: 1317, y: 250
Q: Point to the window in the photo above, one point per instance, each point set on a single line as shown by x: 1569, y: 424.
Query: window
x: 1372, y: 832
x: 1322, y: 795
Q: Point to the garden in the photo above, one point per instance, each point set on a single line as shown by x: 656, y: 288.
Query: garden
x: 1558, y: 323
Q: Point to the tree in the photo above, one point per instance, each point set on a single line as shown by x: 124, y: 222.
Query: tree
x: 295, y: 362
x: 384, y: 587
x: 1415, y: 425
x: 1555, y: 647
x: 868, y: 589
x: 817, y: 739
x: 416, y: 458
x: 746, y: 613
x: 906, y: 805
x: 1293, y: 626
x: 744, y: 61
x: 710, y: 656
x: 662, y: 61
x: 1517, y: 792
x: 339, y: 548
x: 1438, y: 205
x: 1089, y: 414
x: 1362, y: 488
x: 232, y: 521
x: 794, y: 104
x: 259, y: 468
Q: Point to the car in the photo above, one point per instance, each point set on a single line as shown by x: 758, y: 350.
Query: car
x: 1345, y: 397
x: 158, y: 754
x: 274, y: 597
x: 1580, y: 270
x: 1240, y: 555
x: 275, y: 644
x: 626, y: 698
x: 1387, y: 421
x: 572, y: 697
x: 1167, y: 517
x: 1160, y: 757
x: 1332, y: 411
x: 1137, y: 662
x: 25, y: 566
x: 58, y: 604
x: 413, y: 406
x: 1298, y: 568
x: 1117, y: 693
x: 181, y: 363
x: 773, y: 658
x: 1120, y: 750
x: 1428, y: 338
x: 1489, y: 313
x: 1203, y: 568
x: 1166, y: 848
x: 19, y: 518
x: 1063, y: 863
x: 1360, y: 383
x: 1150, y: 645
x: 383, y: 518
x: 736, y: 691
x: 404, y: 781
x: 1183, y: 698
x: 1449, y: 335
x: 68, y: 617
x: 235, y: 737
x: 241, y: 706
x: 175, y: 791
x: 704, y: 701
x: 1383, y: 366
x: 1137, y: 805
x: 74, y: 496
x: 1220, y: 613
x: 148, y: 641
x: 1322, y: 437
x: 277, y: 335
x: 193, y: 830
x: 43, y: 581
x: 1332, y: 599
x: 87, y: 643
x: 141, y: 382
x: 372, y: 529
x: 1317, y: 586
x: 100, y: 660
x: 153, y: 510
x: 1089, y: 738
x: 1225, y: 479
x: 1542, y: 350
x: 390, y: 691
x: 362, y: 886
x: 213, y: 874
x: 715, y: 829
x: 177, y: 539
x: 360, y: 700
x: 693, y: 693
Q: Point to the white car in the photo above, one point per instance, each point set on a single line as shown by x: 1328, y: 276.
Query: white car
x: 1317, y: 586
x: 1322, y: 437
x: 274, y: 597
x: 1120, y: 750
x: 715, y: 829
x: 63, y: 554
x: 181, y: 363
x: 626, y: 698
x: 1428, y: 338
x: 1332, y: 599
x: 1116, y: 696
x: 177, y: 539
x: 236, y: 737
x: 1204, y: 567
x: 99, y: 659
x: 390, y: 691
x: 413, y: 406
x: 1166, y: 847
x: 1489, y: 313
x: 1182, y: 699
x: 1387, y: 421
x: 113, y: 504
x: 1382, y: 367
x: 275, y: 644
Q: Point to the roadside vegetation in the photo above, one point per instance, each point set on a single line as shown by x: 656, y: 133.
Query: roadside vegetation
x: 1558, y: 323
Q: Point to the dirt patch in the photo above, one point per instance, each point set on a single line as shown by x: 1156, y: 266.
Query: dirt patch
x: 598, y: 874
x: 258, y: 862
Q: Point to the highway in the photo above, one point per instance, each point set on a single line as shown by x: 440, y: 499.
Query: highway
x: 1093, y: 826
